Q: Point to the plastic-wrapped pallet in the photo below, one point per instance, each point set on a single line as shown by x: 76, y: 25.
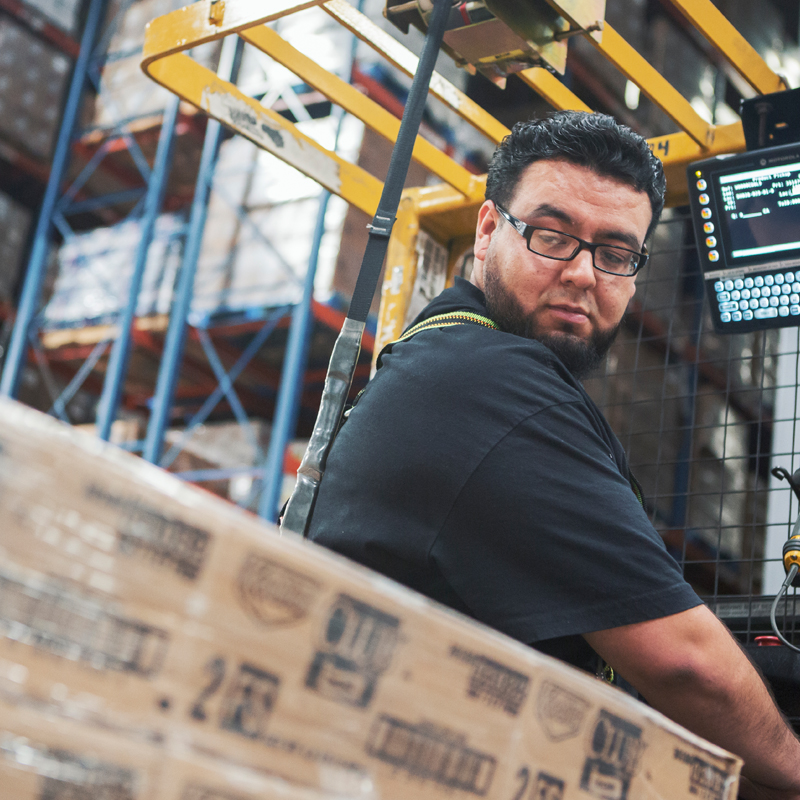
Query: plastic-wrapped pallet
x: 14, y: 224
x: 95, y: 268
x: 260, y: 228
x: 135, y: 608
x: 125, y: 91
x: 33, y: 80
x: 63, y: 13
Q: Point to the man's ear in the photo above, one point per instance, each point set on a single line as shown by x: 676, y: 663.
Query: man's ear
x: 487, y: 225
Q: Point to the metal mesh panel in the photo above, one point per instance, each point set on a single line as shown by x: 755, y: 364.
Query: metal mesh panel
x: 703, y: 418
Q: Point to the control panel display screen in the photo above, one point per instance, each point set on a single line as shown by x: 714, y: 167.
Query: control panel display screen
x: 761, y: 211
x: 746, y: 216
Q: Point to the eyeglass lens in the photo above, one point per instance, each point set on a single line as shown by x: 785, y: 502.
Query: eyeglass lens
x: 558, y: 245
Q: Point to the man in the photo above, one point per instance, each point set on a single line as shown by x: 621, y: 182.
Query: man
x: 475, y: 468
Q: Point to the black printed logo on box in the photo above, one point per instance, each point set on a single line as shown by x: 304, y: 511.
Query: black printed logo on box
x: 548, y: 788
x: 249, y: 701
x: 560, y: 711
x: 705, y: 780
x: 615, y: 746
x: 355, y: 648
x: 429, y: 752
x: 69, y: 624
x: 67, y: 776
x: 248, y: 697
x: 273, y: 594
x: 492, y: 682
x: 165, y: 541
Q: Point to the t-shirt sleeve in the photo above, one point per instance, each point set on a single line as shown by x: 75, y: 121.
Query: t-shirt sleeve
x: 546, y: 537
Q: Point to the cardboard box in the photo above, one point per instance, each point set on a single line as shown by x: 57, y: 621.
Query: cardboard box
x: 44, y: 756
x: 138, y: 604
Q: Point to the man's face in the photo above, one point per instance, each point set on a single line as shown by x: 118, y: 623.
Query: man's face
x: 569, y: 305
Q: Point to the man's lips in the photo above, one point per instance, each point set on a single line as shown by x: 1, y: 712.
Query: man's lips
x: 569, y: 313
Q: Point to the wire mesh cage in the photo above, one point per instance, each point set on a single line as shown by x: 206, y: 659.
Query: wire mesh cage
x: 704, y: 417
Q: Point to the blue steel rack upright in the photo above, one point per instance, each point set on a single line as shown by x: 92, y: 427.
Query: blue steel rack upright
x: 58, y: 203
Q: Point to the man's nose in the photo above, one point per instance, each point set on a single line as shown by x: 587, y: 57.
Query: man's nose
x: 580, y: 270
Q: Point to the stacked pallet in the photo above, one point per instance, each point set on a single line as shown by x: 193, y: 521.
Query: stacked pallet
x: 157, y: 642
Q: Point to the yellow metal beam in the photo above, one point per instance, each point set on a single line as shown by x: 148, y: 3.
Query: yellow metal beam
x: 552, y: 90
x: 678, y: 150
x: 400, y: 274
x: 653, y: 84
x: 207, y: 20
x: 353, y: 101
x: 269, y: 130
x: 711, y: 22
x: 402, y: 58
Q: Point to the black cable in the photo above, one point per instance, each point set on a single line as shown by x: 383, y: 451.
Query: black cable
x: 789, y: 578
x: 346, y: 350
x: 384, y: 219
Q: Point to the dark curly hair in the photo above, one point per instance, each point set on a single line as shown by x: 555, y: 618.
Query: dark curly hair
x: 596, y: 141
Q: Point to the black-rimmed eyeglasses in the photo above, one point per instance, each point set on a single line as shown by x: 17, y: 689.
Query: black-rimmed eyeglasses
x: 564, y: 247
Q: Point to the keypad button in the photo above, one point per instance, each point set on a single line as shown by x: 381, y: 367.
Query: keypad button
x: 725, y: 316
x: 763, y: 302
x: 784, y: 299
x: 738, y: 284
x: 783, y: 311
x: 704, y: 199
x: 736, y: 295
x: 743, y: 304
x: 723, y: 296
x: 711, y: 241
x: 759, y: 281
x: 786, y: 289
x: 755, y: 292
x: 789, y: 277
x: 747, y: 315
x: 768, y: 280
x: 745, y: 294
x: 766, y: 313
x: 708, y: 227
x: 705, y: 213
x: 736, y: 316
x: 779, y: 278
x: 794, y: 298
x: 713, y: 255
x: 729, y: 285
x: 719, y: 286
x: 774, y: 302
x: 794, y: 310
x: 702, y: 185
x: 776, y: 291
x: 748, y: 282
x: 729, y: 306
x: 754, y: 303
x: 796, y: 287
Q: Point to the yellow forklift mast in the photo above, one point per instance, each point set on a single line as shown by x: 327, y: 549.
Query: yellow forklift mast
x: 526, y: 37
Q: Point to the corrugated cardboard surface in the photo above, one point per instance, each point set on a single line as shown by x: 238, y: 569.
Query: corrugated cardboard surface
x: 46, y: 757
x: 136, y: 604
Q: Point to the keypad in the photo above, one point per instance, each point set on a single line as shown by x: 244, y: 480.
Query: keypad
x: 759, y: 297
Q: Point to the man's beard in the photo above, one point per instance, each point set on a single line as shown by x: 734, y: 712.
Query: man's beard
x: 579, y: 356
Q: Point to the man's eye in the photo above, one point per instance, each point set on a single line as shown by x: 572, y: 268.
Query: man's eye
x: 614, y: 257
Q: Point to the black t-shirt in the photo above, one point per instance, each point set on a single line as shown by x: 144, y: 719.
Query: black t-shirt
x: 475, y: 469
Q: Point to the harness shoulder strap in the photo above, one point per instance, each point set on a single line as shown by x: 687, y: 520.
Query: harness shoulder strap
x: 440, y: 321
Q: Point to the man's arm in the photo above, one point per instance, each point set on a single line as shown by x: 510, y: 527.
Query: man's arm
x: 689, y: 667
